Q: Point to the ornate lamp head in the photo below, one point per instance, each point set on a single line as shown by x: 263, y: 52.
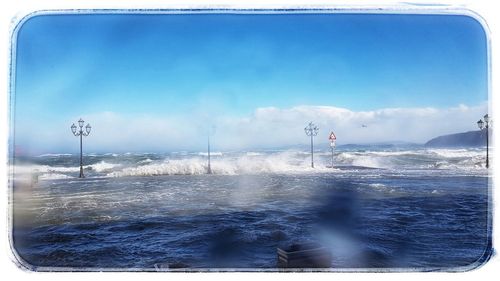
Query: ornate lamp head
x: 486, y: 119
x: 480, y: 124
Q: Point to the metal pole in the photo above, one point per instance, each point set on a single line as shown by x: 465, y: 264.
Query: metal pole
x: 209, y: 168
x: 332, y: 155
x: 487, y: 147
x: 81, y: 153
x: 312, y: 152
x: 311, y: 130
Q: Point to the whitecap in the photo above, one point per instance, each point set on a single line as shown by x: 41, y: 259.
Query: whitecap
x: 51, y: 176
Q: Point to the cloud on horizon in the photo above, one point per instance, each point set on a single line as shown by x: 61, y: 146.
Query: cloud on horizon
x: 266, y: 127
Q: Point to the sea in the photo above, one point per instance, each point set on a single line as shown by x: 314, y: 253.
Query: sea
x: 379, y: 207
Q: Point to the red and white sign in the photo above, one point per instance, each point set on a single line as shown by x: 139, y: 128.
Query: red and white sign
x: 332, y: 137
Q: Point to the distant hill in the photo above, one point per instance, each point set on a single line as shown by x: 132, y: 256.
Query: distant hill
x: 468, y: 139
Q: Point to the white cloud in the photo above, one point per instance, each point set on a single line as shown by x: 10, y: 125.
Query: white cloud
x: 273, y: 126
x: 266, y: 127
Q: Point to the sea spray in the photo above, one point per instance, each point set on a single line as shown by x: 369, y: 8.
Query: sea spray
x: 55, y: 166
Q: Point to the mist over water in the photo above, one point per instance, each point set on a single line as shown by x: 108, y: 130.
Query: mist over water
x: 378, y: 207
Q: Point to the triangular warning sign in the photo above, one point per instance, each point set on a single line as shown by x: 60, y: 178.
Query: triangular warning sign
x: 332, y: 136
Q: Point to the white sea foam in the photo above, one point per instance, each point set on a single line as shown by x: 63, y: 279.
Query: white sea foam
x: 172, y: 167
x: 461, y: 159
x: 457, y: 153
x: 215, y: 153
x: 254, y: 153
x: 381, y: 187
x: 102, y: 166
x: 363, y: 160
x: 98, y: 167
x: 396, y: 153
x: 47, y: 169
x: 51, y: 176
x: 377, y: 185
x: 371, y: 162
x: 145, y: 161
x: 54, y: 154
x: 465, y: 164
x: 274, y: 163
x: 289, y: 161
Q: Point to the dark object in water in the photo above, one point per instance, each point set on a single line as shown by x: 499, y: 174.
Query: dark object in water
x: 307, y: 255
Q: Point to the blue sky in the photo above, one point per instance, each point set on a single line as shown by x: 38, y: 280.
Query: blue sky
x: 172, y: 69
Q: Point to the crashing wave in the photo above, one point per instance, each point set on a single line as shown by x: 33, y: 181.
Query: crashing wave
x: 274, y: 163
x: 281, y: 162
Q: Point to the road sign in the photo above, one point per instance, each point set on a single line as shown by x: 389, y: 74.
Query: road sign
x: 332, y: 137
x: 333, y: 140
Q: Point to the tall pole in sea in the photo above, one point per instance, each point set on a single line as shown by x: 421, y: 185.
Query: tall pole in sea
x: 80, y: 133
x: 485, y: 125
x: 210, y: 132
x: 311, y: 130
x: 209, y: 170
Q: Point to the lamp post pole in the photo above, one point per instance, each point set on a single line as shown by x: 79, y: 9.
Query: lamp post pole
x: 80, y: 133
x: 487, y: 146
x: 486, y: 125
x: 311, y: 130
x: 81, y: 155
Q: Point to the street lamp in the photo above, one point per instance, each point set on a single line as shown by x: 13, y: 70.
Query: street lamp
x: 80, y: 133
x: 485, y: 124
x: 311, y: 131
